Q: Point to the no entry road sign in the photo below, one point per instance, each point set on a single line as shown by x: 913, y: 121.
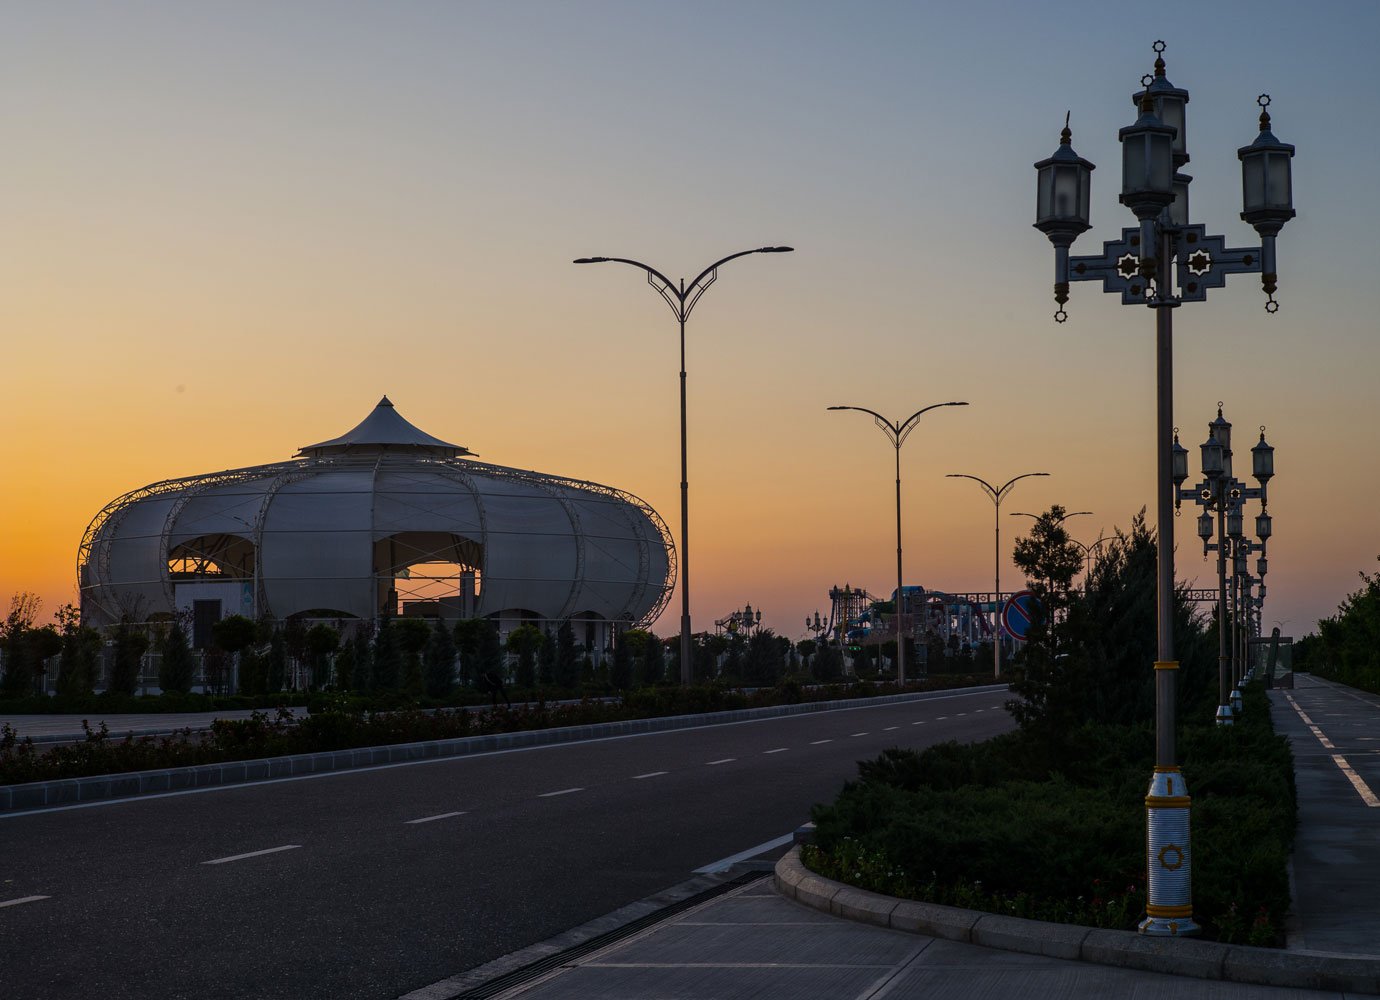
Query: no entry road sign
x: 1019, y: 612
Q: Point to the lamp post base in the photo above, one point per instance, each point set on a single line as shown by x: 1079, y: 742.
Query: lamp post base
x: 1169, y: 906
x: 1224, y: 715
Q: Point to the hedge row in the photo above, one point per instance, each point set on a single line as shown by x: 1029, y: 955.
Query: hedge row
x: 337, y: 722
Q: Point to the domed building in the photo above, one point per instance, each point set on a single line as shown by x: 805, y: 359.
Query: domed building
x: 384, y: 519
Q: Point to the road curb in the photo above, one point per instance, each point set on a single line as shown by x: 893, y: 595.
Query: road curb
x: 73, y: 791
x: 1313, y: 970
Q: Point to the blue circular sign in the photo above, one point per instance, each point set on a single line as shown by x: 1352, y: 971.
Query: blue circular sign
x: 1019, y: 612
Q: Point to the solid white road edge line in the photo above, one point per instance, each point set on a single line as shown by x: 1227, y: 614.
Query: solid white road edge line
x: 751, y: 852
x: 252, y: 854
x: 22, y: 899
x: 428, y: 819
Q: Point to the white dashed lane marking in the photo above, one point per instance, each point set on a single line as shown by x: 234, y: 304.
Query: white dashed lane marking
x: 777, y: 750
x: 432, y: 819
x: 649, y: 774
x: 820, y: 742
x: 856, y: 734
x: 21, y: 899
x: 252, y: 854
x: 726, y: 760
x: 563, y: 791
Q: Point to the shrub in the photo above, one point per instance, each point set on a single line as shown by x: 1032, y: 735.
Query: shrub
x: 178, y: 664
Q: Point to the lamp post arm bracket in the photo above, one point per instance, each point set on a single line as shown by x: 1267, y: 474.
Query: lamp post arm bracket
x: 904, y: 429
x: 1118, y: 268
x: 1205, y: 261
x: 695, y: 289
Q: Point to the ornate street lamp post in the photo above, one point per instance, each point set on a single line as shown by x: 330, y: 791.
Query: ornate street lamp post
x: 997, y: 494
x: 896, y: 433
x: 1162, y: 262
x: 682, y: 298
x: 1223, y: 494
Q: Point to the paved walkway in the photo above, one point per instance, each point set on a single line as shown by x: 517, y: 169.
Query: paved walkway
x: 1335, y: 734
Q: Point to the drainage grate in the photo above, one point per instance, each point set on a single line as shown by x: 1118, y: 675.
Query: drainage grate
x: 517, y: 977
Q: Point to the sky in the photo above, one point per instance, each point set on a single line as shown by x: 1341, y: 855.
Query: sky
x: 229, y: 228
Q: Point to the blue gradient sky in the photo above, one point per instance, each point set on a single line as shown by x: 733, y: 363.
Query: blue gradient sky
x: 231, y: 227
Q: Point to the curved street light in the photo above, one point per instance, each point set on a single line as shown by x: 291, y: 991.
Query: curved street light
x: 681, y: 297
x: 897, y: 432
x: 1086, y: 549
x: 998, y: 494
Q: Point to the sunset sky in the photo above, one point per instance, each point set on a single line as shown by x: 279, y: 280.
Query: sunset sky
x: 231, y: 227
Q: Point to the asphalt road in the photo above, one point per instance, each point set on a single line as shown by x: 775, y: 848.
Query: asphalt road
x: 373, y: 883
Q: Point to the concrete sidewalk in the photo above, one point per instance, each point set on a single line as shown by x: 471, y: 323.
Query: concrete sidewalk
x: 755, y: 942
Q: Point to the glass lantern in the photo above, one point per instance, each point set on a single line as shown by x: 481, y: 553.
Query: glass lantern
x: 1168, y: 102
x: 1212, y: 457
x: 1063, y: 191
x: 1179, y: 461
x: 1234, y: 522
x: 1264, y: 524
x: 1263, y: 460
x: 1205, y: 526
x: 1178, y: 208
x: 1267, y: 189
x: 1147, y: 164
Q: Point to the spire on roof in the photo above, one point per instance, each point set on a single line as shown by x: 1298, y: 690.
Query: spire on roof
x: 384, y: 429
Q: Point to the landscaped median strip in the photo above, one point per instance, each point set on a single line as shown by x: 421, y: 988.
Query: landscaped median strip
x: 1123, y: 949
x: 66, y: 792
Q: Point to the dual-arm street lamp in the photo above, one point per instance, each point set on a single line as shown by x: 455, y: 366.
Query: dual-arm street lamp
x: 1085, y: 549
x: 681, y: 297
x: 997, y: 494
x: 1141, y: 266
x: 896, y: 433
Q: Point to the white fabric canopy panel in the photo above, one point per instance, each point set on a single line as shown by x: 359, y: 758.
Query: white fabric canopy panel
x: 334, y: 533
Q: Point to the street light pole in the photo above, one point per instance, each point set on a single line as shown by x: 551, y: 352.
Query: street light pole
x: 998, y: 494
x: 897, y: 432
x: 682, y: 298
x: 1141, y: 268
